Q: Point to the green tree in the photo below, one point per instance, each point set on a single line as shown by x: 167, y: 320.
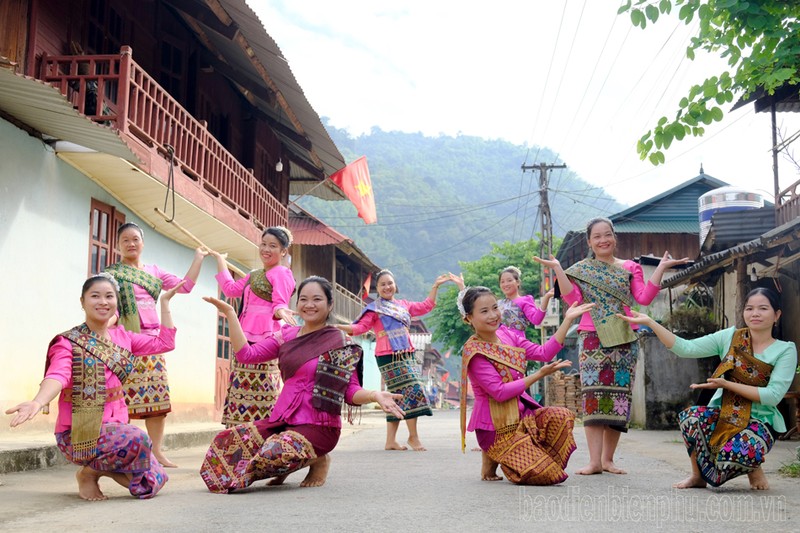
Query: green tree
x: 759, y: 38
x: 445, y: 319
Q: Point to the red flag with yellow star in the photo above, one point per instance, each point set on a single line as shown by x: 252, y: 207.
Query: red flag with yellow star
x: 356, y: 185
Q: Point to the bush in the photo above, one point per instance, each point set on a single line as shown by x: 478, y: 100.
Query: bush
x: 692, y: 322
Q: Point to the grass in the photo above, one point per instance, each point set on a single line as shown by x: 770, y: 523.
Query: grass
x: 790, y: 469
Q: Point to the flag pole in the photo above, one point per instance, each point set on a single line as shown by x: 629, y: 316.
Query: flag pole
x: 306, y: 193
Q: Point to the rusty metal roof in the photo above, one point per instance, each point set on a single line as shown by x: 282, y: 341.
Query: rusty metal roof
x: 43, y: 108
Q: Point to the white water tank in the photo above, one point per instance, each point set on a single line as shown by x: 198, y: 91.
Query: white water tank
x: 723, y: 200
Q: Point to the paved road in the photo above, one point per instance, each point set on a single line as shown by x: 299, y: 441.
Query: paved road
x: 439, y: 490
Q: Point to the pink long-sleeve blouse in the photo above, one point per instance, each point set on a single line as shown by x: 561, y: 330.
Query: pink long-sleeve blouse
x: 294, y: 406
x: 258, y: 315
x: 487, y: 383
x: 643, y: 292
x: 60, y: 369
x: 148, y: 315
x: 372, y: 321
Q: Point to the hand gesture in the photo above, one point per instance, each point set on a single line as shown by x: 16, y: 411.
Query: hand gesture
x: 444, y: 278
x: 574, y: 311
x: 287, y: 315
x: 24, y: 412
x: 201, y: 251
x: 222, y: 307
x: 549, y: 263
x: 458, y: 280
x: 636, y: 318
x: 668, y: 262
x: 388, y: 403
x: 554, y: 366
x: 711, y: 383
x: 167, y: 295
x: 215, y: 254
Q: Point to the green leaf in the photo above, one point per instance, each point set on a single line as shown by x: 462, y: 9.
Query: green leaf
x: 690, y: 53
x: 654, y: 158
x: 684, y: 102
x: 624, y: 7
x: 652, y: 12
x: 665, y: 6
x: 716, y: 113
x: 638, y: 18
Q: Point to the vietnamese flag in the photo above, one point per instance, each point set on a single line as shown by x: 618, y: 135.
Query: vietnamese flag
x: 356, y: 185
x: 366, y: 286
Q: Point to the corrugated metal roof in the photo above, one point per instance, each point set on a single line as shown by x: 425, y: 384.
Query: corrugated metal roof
x: 730, y: 228
x: 658, y: 226
x: 323, y: 151
x: 312, y: 232
x: 43, y: 108
x: 677, y: 203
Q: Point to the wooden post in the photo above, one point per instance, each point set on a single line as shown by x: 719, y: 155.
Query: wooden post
x: 124, y: 87
x: 741, y: 280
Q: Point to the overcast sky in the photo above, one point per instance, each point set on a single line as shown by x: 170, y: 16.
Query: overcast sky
x: 569, y: 75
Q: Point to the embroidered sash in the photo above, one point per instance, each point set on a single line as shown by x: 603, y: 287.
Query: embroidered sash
x: 739, y: 366
x: 395, y: 320
x: 338, y: 358
x: 128, y: 276
x: 505, y: 415
x: 512, y: 315
x: 89, y: 393
x: 609, y: 287
x: 260, y: 285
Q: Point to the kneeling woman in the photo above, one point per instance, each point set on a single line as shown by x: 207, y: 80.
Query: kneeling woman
x: 321, y: 370
x: 531, y: 443
x: 86, y: 368
x: 733, y: 433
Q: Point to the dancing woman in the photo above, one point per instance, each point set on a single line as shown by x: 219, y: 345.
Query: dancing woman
x: 390, y: 319
x: 732, y: 435
x: 147, y: 387
x: 519, y: 311
x: 86, y: 368
x: 321, y: 369
x: 531, y: 443
x: 608, y: 346
x: 265, y: 294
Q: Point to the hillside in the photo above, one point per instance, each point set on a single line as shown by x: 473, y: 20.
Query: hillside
x: 441, y: 200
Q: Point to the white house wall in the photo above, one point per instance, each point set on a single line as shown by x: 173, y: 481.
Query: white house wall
x: 44, y: 242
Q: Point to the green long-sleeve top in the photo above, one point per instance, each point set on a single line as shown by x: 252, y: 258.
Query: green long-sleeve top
x: 782, y: 355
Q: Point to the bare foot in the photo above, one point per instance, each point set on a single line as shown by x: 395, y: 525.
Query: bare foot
x: 590, y: 470
x: 416, y: 445
x: 166, y: 463
x: 88, y: 487
x: 489, y: 468
x: 317, y: 472
x: 613, y: 469
x: 691, y: 482
x: 758, y: 479
x: 395, y: 446
x: 274, y: 482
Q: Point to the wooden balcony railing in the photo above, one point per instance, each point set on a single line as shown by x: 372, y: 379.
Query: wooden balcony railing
x: 114, y: 90
x: 788, y: 204
x: 347, y: 305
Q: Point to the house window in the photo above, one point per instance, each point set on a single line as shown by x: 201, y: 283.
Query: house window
x: 224, y: 348
x: 104, y: 220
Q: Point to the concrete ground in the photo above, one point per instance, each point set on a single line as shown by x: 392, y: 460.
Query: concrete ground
x: 370, y: 489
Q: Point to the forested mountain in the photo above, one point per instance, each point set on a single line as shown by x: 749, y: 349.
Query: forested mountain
x: 441, y: 200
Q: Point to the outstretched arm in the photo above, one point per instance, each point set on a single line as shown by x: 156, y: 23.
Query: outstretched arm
x: 664, y: 335
x: 236, y: 333
x: 574, y: 311
x: 665, y: 264
x: 563, y: 280
x: 194, y: 269
x: 48, y: 390
x: 386, y: 400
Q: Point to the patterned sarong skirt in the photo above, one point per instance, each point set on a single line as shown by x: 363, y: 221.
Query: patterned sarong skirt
x: 244, y: 454
x: 147, y: 387
x: 607, y: 376
x: 402, y: 375
x: 126, y: 449
x: 742, y: 454
x: 538, y: 451
x: 252, y: 392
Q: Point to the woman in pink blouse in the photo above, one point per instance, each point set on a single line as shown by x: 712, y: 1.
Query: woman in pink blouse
x: 390, y: 319
x: 322, y: 370
x: 519, y: 311
x: 86, y: 368
x: 265, y: 294
x: 507, y: 421
x: 147, y: 388
x: 608, y: 345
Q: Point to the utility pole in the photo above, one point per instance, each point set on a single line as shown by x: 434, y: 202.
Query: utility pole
x: 546, y: 244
